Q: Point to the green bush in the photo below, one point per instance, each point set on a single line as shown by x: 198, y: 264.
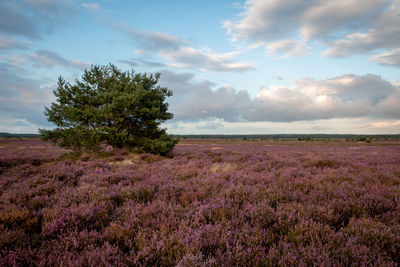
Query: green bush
x: 108, y: 106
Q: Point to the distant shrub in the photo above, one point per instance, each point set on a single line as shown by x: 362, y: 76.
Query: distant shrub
x: 140, y: 194
x: 149, y: 158
x: 4, y: 165
x: 21, y: 219
x: 196, y: 260
x: 326, y: 163
x: 343, y: 212
x: 121, y: 235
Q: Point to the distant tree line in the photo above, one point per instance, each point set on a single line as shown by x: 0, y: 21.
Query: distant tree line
x: 14, y: 135
x: 299, y: 137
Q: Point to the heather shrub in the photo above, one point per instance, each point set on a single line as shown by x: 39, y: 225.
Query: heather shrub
x: 377, y: 203
x: 149, y: 158
x: 19, y: 257
x: 326, y: 163
x: 382, y: 239
x: 116, y: 198
x: 12, y: 239
x: 38, y: 202
x: 196, y: 260
x: 99, y: 255
x: 343, y: 212
x: 140, y: 194
x: 215, y: 203
x: 4, y: 165
x: 122, y: 236
x: 14, y: 218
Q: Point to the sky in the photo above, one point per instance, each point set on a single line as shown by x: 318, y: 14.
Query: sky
x: 234, y: 67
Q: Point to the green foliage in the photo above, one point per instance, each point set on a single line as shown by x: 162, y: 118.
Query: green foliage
x: 108, y: 106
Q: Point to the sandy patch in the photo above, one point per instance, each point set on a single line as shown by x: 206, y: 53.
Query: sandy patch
x: 122, y: 162
x: 222, y: 167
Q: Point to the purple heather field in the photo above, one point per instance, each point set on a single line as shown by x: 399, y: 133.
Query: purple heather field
x: 211, y: 203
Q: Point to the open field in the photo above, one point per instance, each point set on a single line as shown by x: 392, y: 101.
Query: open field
x: 213, y: 203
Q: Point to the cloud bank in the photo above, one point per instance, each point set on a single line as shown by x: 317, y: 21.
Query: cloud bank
x: 22, y: 99
x: 50, y: 59
x: 32, y: 19
x: 347, y: 96
x: 345, y: 27
x: 179, y: 53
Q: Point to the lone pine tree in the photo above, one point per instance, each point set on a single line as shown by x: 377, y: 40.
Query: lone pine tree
x: 108, y: 106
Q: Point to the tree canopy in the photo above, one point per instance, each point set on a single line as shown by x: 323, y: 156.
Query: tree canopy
x: 109, y: 106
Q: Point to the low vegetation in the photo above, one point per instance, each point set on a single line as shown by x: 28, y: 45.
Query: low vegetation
x: 215, y: 202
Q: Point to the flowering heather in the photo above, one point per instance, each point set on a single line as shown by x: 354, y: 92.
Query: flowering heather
x: 213, y: 203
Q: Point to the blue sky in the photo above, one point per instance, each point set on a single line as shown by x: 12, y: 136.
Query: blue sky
x: 235, y: 67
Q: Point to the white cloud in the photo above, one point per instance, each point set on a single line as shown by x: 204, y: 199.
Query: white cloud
x: 287, y: 47
x: 264, y: 21
x: 16, y: 125
x: 91, y: 6
x: 148, y: 40
x: 347, y: 96
x: 390, y: 58
x: 143, y: 62
x: 206, y: 59
x: 14, y: 61
x: 193, y: 100
x: 22, y: 99
x: 383, y: 33
x: 237, y: 5
x: 326, y: 17
x: 385, y: 124
x: 8, y: 43
x: 138, y: 52
x: 396, y: 83
x: 34, y: 18
x: 180, y: 54
x: 327, y: 126
x: 346, y: 27
x: 49, y: 59
x: 348, y: 103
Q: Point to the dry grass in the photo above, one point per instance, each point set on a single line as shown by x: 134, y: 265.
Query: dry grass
x: 223, y: 167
